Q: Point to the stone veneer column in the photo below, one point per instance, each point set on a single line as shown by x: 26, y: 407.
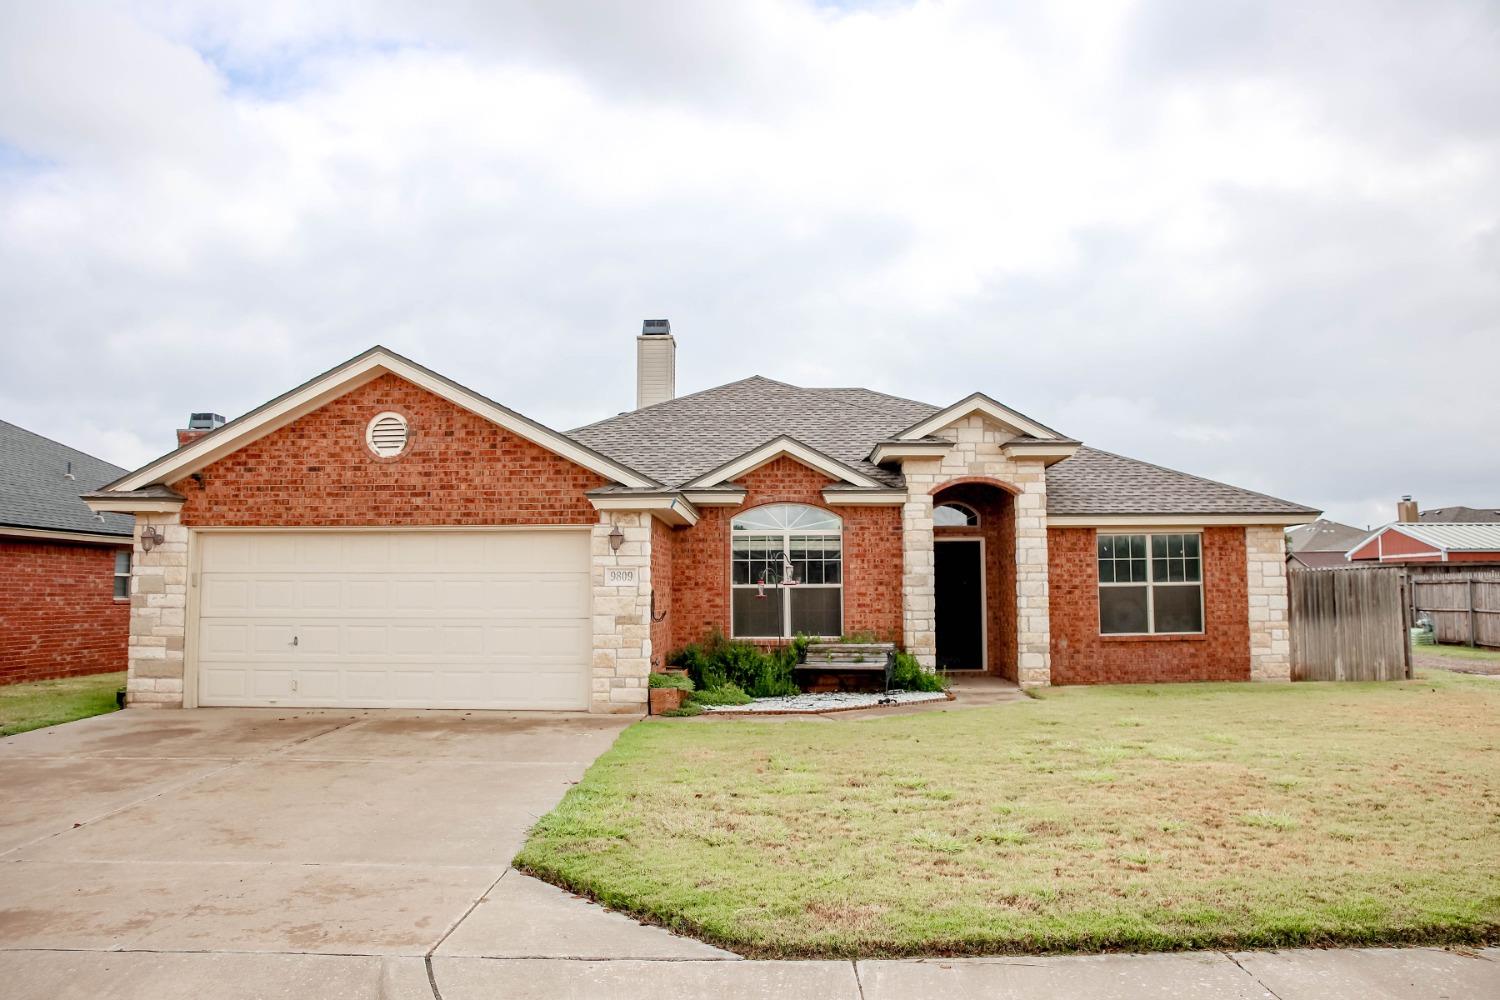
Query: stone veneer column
x: 1033, y: 608
x: 158, y: 614
x: 1270, y: 625
x: 918, y: 583
x: 622, y: 615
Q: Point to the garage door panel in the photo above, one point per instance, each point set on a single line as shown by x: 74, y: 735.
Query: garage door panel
x: 458, y: 619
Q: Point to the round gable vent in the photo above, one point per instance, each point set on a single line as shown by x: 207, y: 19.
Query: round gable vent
x: 386, y: 435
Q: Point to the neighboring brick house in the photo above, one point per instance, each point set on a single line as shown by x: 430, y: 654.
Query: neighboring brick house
x: 64, y: 608
x: 382, y: 536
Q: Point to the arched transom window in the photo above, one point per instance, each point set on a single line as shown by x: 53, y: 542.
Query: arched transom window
x: 954, y: 515
x: 788, y: 572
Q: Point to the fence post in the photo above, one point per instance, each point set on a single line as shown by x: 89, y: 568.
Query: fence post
x: 1473, y: 623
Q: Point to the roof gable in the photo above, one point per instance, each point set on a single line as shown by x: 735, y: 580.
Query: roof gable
x: 979, y: 403
x: 783, y: 447
x: 345, y: 378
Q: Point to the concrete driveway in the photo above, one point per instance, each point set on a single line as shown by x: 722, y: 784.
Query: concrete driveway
x: 242, y: 854
x: 146, y: 840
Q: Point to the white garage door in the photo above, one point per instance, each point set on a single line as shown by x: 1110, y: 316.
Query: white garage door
x: 400, y: 619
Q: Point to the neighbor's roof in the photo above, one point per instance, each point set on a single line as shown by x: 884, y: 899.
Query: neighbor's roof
x: 1484, y: 537
x: 681, y: 439
x: 1321, y: 560
x: 1459, y: 515
x: 35, y: 491
x: 1324, y: 536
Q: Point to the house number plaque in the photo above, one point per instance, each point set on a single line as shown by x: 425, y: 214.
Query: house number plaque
x: 621, y: 576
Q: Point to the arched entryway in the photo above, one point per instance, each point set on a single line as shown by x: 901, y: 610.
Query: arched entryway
x: 974, y: 578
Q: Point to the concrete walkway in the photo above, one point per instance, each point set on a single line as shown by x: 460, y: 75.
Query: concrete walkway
x: 241, y: 854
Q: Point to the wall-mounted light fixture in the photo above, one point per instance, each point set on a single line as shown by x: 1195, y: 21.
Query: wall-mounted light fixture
x: 616, y: 538
x: 151, y: 537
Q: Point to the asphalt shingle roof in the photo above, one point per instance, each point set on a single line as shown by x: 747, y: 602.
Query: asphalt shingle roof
x: 1100, y: 482
x: 679, y: 440
x: 35, y: 491
x: 1459, y: 515
x: 683, y: 438
x: 1324, y: 536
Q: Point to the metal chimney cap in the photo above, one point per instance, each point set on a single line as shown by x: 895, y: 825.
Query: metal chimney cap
x: 204, y: 421
x: 656, y: 328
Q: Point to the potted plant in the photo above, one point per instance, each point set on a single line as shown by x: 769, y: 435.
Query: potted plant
x: 668, y: 690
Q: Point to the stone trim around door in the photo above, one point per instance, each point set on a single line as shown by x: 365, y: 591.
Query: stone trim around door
x: 978, y: 454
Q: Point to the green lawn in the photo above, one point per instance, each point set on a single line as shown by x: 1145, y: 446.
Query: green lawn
x: 48, y: 703
x: 1171, y: 816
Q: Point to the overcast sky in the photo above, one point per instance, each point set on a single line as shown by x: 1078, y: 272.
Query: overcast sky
x: 1255, y: 241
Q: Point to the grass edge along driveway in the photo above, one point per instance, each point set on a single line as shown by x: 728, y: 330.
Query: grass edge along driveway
x: 39, y: 704
x: 1142, y: 817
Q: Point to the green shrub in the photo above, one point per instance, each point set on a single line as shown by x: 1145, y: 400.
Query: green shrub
x: 908, y: 675
x: 716, y: 661
x: 727, y: 694
x: 680, y: 681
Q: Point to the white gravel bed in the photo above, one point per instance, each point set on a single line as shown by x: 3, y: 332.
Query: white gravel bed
x: 834, y: 701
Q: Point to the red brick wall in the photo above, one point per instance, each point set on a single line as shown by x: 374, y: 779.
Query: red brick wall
x: 661, y: 589
x: 458, y: 469
x: 997, y: 526
x: 58, y: 615
x: 872, y: 557
x: 1080, y: 655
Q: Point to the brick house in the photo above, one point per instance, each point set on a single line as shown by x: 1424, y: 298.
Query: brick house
x: 64, y: 570
x: 383, y: 536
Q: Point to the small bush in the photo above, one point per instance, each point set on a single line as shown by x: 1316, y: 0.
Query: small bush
x: 681, y: 682
x: 726, y: 694
x: 716, y: 661
x: 908, y: 675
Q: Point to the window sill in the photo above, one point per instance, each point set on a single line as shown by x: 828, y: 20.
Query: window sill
x: 1162, y: 637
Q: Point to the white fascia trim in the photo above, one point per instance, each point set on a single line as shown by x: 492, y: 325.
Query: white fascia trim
x: 126, y: 505
x: 50, y: 535
x: 772, y: 450
x: 714, y: 498
x: 212, y: 447
x: 1050, y: 454
x: 882, y: 498
x: 917, y: 449
x: 979, y: 403
x: 1174, y: 520
x: 671, y: 509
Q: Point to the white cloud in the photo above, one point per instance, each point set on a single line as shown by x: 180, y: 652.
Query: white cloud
x: 1255, y: 241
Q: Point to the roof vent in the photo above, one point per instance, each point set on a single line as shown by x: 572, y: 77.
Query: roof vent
x: 386, y: 435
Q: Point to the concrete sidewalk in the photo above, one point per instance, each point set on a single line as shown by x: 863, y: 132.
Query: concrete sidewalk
x: 1354, y: 974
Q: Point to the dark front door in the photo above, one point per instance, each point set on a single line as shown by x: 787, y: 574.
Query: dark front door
x: 960, y: 604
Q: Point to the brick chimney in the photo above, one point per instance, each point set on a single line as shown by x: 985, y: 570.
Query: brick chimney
x: 199, y: 424
x: 655, y: 364
x: 1406, y: 510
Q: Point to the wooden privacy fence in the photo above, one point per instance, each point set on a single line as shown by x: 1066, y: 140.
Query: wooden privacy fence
x: 1349, y: 624
x: 1462, y: 606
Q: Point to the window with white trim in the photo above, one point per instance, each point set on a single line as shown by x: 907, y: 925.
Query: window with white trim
x: 787, y: 566
x: 1151, y: 583
x: 954, y: 515
x: 122, y: 574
